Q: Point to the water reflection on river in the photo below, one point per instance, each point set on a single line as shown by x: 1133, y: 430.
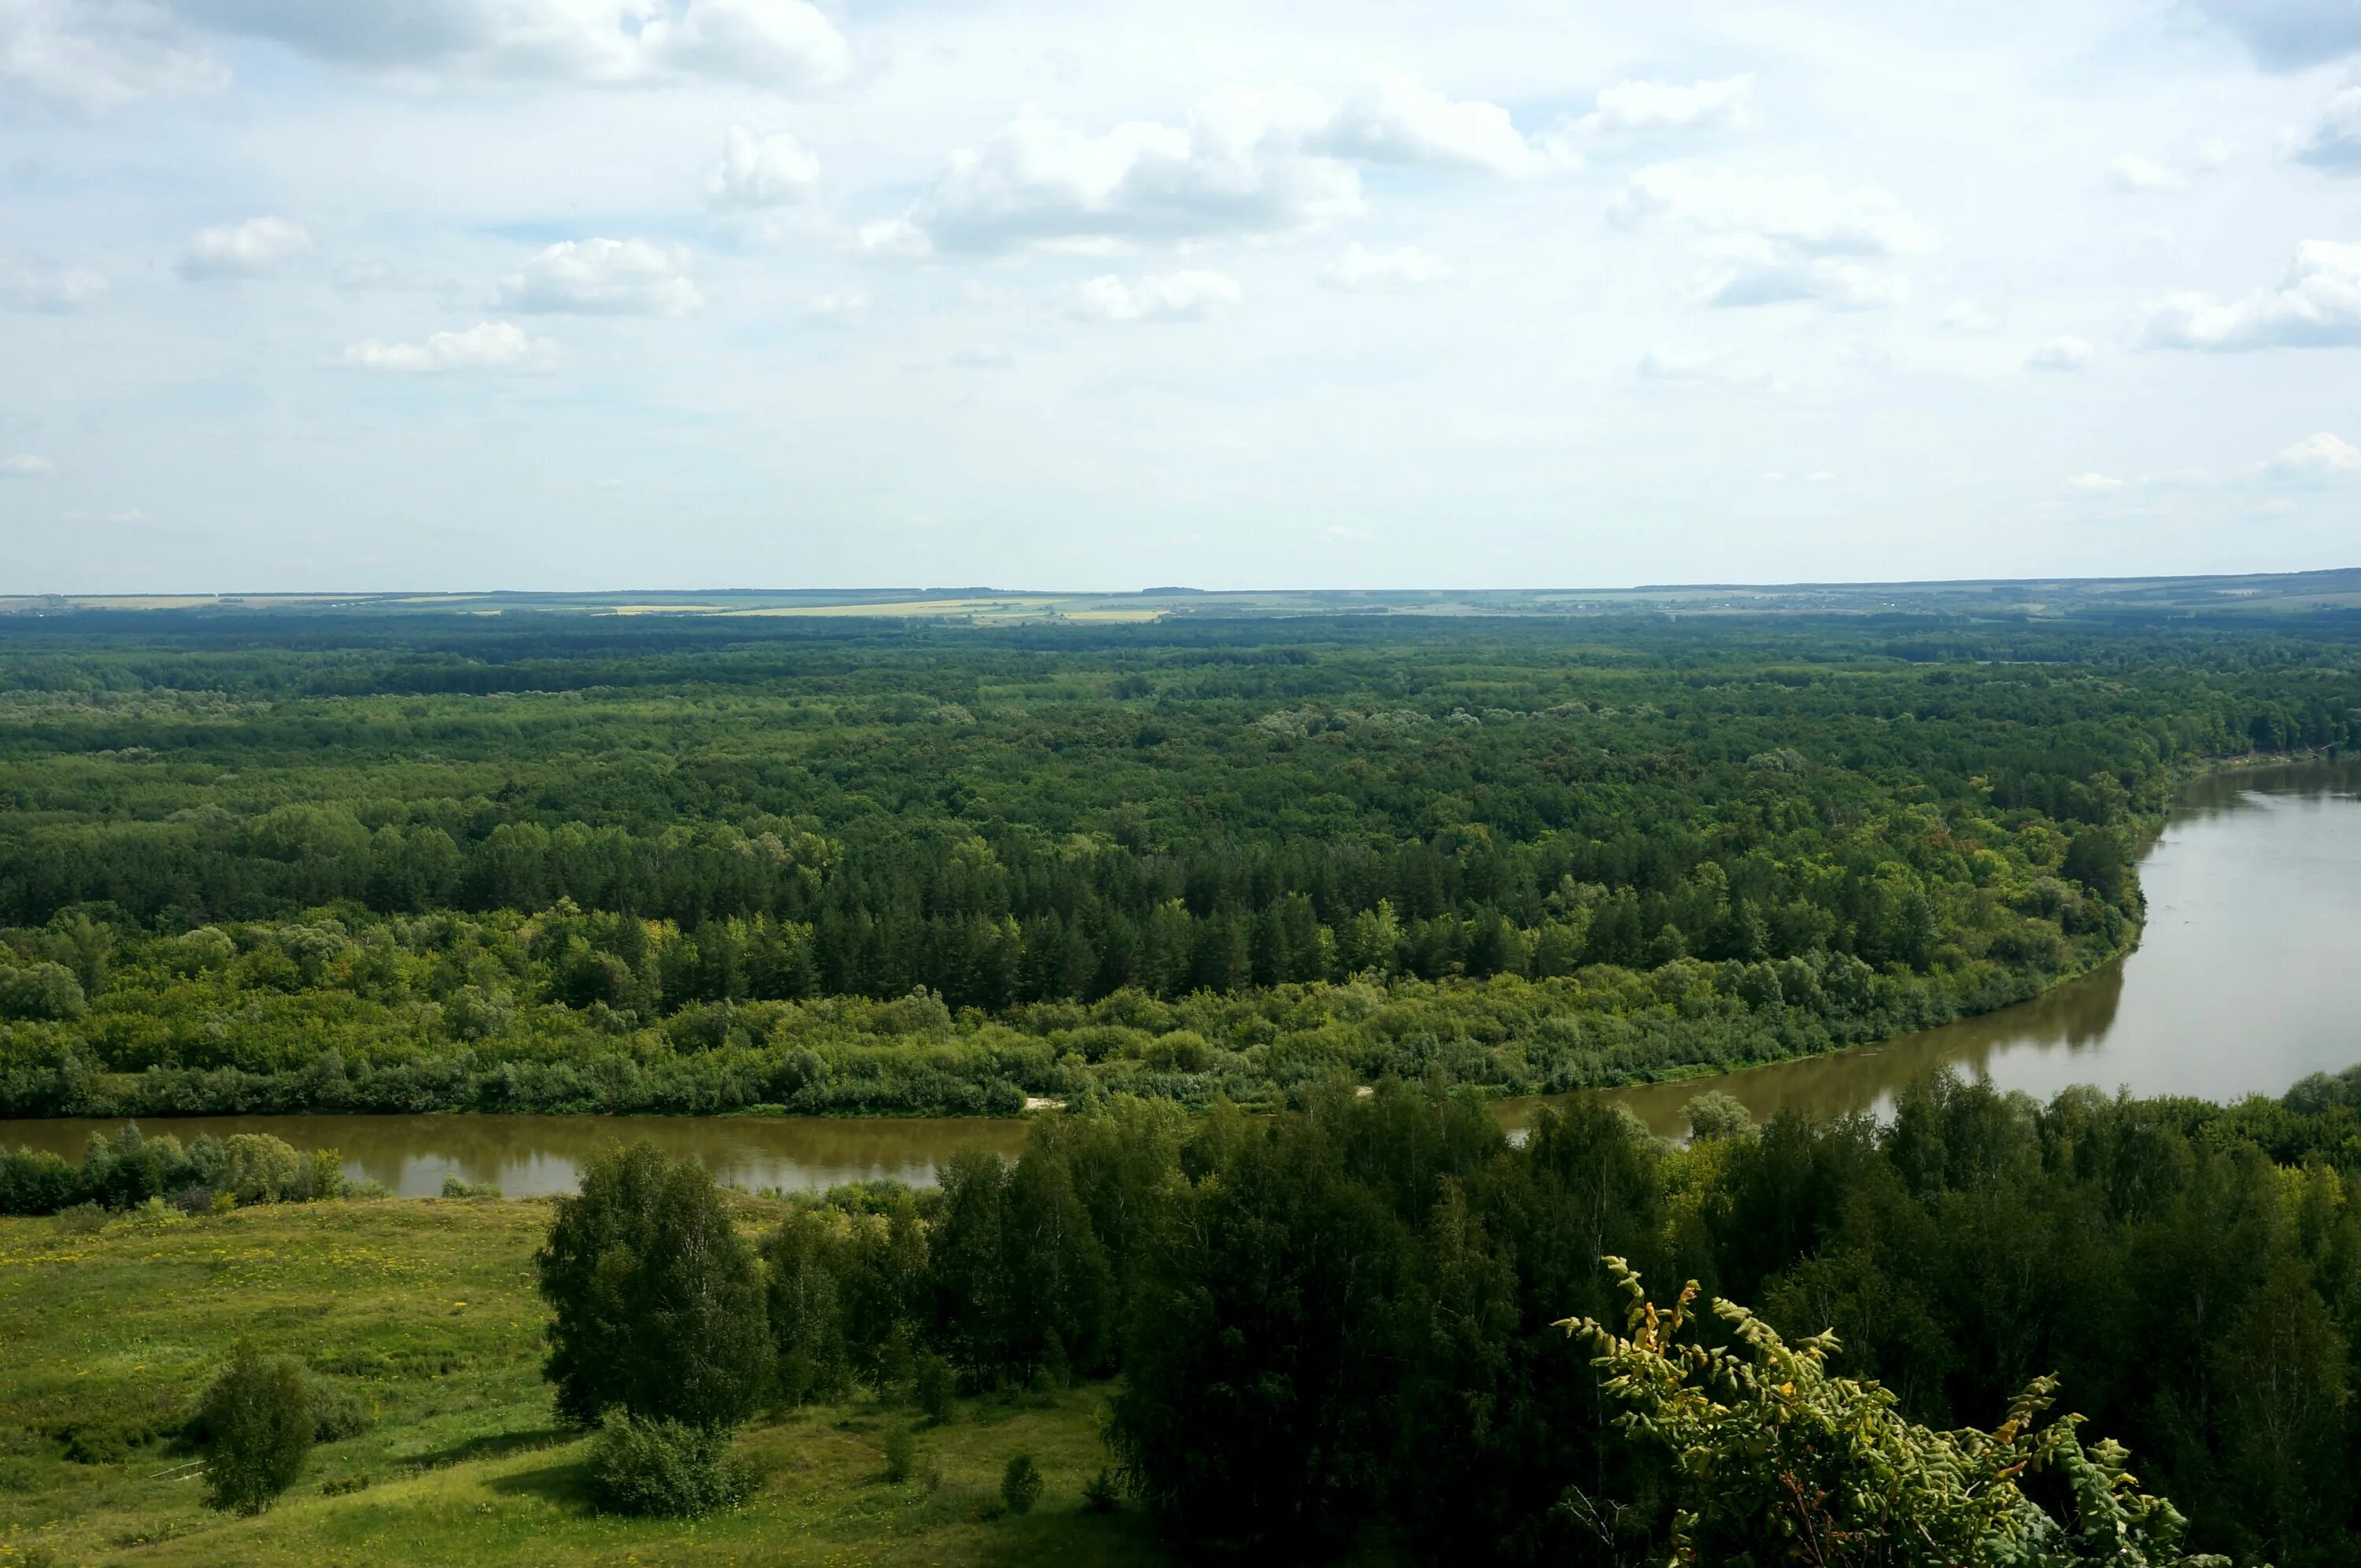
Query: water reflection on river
x: 2248, y: 977
x: 528, y: 1155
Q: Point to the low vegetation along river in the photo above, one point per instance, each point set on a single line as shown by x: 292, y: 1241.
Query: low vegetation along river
x: 2248, y: 978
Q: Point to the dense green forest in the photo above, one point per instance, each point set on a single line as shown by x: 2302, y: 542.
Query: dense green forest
x: 550, y: 862
x: 1338, y: 1323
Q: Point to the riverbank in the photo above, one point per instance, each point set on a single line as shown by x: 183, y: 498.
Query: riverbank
x: 426, y: 1314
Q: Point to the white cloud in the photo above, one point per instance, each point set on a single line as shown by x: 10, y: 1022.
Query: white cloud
x: 2067, y: 354
x: 983, y: 359
x: 892, y: 237
x: 843, y: 307
x: 1236, y: 167
x: 26, y: 465
x: 1344, y: 534
x: 1780, y: 238
x: 1971, y: 318
x: 1172, y: 296
x: 761, y: 171
x: 2137, y: 175
x: 1801, y: 211
x: 2287, y: 35
x: 1404, y: 268
x: 1643, y: 106
x: 30, y: 284
x: 1764, y: 275
x: 1245, y: 162
x: 1398, y: 119
x: 2215, y: 153
x: 603, y: 277
x: 784, y: 44
x: 2318, y: 461
x: 2334, y: 142
x: 88, y: 56
x: 2317, y: 457
x: 249, y: 249
x: 2317, y: 305
x: 488, y: 345
x: 1702, y: 368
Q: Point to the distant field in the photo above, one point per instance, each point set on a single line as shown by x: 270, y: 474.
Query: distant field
x: 2286, y: 593
x: 426, y: 1310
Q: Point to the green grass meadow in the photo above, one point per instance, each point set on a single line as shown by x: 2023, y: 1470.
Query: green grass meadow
x: 426, y: 1310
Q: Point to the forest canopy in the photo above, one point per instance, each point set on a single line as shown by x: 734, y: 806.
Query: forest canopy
x: 576, y: 863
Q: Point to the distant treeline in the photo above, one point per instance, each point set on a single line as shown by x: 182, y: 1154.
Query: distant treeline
x: 265, y: 863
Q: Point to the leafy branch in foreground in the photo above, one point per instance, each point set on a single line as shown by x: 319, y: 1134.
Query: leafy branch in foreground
x: 1775, y: 1461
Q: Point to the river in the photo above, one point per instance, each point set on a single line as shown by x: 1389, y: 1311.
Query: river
x: 2248, y: 978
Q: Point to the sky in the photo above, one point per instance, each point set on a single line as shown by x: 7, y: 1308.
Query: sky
x: 470, y: 294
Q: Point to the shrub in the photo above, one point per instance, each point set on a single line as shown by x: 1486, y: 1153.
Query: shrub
x: 1773, y: 1451
x: 1100, y: 1493
x: 328, y: 1175
x: 257, y: 1423
x: 1020, y: 1485
x: 936, y: 1384
x: 81, y: 1220
x: 35, y: 1182
x: 453, y: 1187
x: 113, y: 1439
x: 901, y: 1454
x: 1715, y: 1114
x: 336, y: 1411
x: 665, y: 1469
x: 259, y: 1168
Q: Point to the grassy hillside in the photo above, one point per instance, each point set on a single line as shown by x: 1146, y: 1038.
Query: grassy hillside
x: 426, y: 1310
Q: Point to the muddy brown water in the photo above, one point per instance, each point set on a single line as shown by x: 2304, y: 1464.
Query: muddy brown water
x: 528, y: 1155
x: 2248, y: 978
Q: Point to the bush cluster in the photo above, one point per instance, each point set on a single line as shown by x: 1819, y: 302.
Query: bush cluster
x: 665, y: 1468
x: 128, y: 1169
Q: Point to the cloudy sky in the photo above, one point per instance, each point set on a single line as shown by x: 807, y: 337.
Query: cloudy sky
x: 575, y: 294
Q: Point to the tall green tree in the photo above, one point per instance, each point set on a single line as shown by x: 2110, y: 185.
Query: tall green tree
x: 657, y: 1304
